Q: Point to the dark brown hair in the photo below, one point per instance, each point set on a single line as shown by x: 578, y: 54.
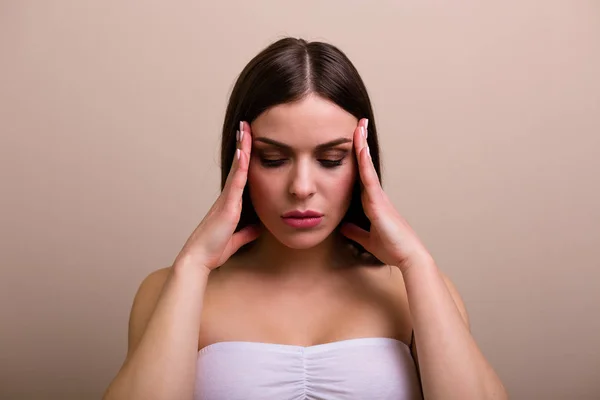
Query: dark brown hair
x: 287, y: 71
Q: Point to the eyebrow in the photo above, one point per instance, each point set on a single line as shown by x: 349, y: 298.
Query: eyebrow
x: 322, y: 146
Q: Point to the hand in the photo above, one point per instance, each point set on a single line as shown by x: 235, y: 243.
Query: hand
x: 391, y: 239
x: 214, y: 240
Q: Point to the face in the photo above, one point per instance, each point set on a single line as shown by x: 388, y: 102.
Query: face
x: 302, y: 160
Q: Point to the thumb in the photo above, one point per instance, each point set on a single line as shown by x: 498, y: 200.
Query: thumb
x: 354, y: 232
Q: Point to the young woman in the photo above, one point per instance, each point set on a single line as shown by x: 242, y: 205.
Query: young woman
x: 302, y: 281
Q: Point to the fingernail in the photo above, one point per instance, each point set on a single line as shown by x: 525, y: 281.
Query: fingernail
x: 241, y: 130
x: 368, y: 151
x: 237, y: 154
x: 237, y: 136
x: 362, y: 131
x: 366, y: 126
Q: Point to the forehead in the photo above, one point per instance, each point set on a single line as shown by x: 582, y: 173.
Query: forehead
x: 305, y: 123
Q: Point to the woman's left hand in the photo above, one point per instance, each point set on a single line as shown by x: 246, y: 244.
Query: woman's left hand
x: 391, y: 239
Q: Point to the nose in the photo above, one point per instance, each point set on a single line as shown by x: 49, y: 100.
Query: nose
x: 302, y: 183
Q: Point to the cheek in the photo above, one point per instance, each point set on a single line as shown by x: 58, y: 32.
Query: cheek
x: 346, y: 183
x: 348, y: 179
x: 340, y: 187
x: 260, y: 186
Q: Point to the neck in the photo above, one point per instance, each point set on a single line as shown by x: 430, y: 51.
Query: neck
x: 272, y: 257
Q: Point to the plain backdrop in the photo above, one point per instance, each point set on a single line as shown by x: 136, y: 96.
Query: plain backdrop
x: 110, y: 117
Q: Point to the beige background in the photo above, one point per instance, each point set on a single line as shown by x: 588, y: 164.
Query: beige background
x: 110, y: 111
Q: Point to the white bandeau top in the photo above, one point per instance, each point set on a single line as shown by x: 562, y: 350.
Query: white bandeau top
x: 365, y: 368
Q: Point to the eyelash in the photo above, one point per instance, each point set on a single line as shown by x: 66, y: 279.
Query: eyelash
x: 278, y: 163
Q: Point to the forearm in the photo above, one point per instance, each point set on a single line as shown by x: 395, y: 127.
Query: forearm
x: 450, y: 362
x: 163, y: 364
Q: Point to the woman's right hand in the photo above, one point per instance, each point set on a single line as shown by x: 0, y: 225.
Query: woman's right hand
x: 214, y: 240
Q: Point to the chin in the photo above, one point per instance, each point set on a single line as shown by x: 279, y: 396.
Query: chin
x: 301, y: 243
x: 300, y: 239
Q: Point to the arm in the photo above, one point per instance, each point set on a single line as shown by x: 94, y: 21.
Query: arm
x: 450, y: 362
x: 163, y: 337
x: 165, y: 317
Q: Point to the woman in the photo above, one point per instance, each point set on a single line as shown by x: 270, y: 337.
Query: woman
x: 305, y: 283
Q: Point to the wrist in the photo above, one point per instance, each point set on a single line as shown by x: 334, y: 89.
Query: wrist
x: 418, y: 261
x: 190, y: 268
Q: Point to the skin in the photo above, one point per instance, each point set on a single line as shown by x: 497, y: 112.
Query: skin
x: 300, y: 176
x: 304, y: 286
x: 300, y: 287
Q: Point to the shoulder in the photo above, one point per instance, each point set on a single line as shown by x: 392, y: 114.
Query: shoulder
x: 386, y: 276
x: 150, y: 288
x: 390, y: 281
x: 383, y: 286
x: 143, y: 304
x: 154, y: 280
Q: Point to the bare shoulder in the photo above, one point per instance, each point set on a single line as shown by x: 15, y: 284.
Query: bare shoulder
x: 385, y: 278
x: 383, y: 285
x: 389, y: 280
x: 143, y: 304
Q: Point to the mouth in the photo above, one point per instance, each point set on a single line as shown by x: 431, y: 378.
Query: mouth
x: 302, y: 214
x: 307, y: 222
x: 302, y: 219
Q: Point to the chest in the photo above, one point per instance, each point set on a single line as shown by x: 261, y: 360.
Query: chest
x: 329, y: 313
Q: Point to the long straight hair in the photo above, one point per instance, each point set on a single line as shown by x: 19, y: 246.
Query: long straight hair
x: 287, y: 71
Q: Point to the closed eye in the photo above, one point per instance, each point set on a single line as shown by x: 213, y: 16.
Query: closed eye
x: 331, y: 163
x: 272, y: 163
x: 269, y: 163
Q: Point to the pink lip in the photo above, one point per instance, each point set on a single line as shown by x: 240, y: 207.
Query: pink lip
x: 305, y: 222
x: 302, y: 214
x: 302, y: 219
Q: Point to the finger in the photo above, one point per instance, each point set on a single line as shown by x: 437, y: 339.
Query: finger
x: 232, y: 174
x: 366, y: 168
x: 243, y: 143
x: 359, y: 141
x: 360, y: 137
x: 242, y: 237
x: 244, y: 132
x: 353, y: 232
x: 245, y: 139
x: 236, y: 181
